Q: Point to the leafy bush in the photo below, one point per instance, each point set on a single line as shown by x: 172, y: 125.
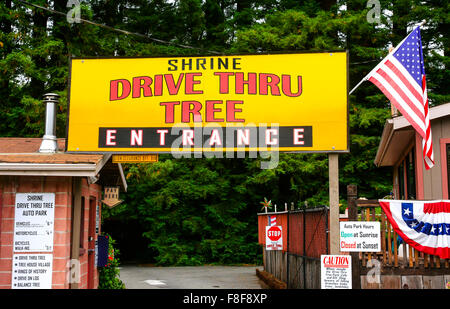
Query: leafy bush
x: 109, y: 275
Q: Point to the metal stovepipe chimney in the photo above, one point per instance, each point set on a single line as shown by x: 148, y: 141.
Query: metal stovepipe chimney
x: 49, y: 144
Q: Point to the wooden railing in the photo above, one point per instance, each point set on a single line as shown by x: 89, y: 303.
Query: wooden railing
x: 408, y: 258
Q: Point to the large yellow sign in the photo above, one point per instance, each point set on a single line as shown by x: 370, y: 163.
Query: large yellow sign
x: 284, y: 102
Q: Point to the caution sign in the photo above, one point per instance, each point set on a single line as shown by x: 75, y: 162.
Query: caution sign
x: 336, y: 271
x: 288, y: 102
x: 274, y: 237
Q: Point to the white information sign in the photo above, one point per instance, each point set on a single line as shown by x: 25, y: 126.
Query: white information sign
x: 32, y: 271
x: 34, y: 222
x: 274, y: 237
x: 336, y: 271
x: 360, y: 236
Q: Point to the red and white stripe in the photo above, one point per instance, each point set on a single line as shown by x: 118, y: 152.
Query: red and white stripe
x: 408, y: 97
x: 273, y: 220
x: 426, y: 211
x: 427, y: 144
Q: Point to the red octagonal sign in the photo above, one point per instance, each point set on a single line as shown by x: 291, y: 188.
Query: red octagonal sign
x: 274, y: 233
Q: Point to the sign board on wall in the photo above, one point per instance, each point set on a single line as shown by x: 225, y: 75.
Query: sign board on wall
x: 136, y: 158
x: 336, y: 271
x: 32, y: 271
x: 34, y: 222
x: 360, y: 236
x: 274, y: 237
x: 289, y: 102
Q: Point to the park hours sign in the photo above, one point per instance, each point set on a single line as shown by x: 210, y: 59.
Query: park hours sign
x: 360, y: 236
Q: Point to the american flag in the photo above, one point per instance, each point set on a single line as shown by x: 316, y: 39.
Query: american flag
x: 272, y: 220
x: 401, y: 77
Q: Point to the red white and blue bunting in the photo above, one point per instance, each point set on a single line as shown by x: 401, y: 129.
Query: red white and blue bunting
x: 424, y: 225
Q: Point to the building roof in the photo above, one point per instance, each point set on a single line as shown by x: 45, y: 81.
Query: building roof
x: 25, y: 144
x: 21, y: 156
x: 26, y: 150
x: 398, y: 134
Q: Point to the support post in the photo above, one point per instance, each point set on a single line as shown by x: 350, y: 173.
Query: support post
x: 333, y: 175
x: 76, y: 222
x: 287, y: 249
x: 352, y: 193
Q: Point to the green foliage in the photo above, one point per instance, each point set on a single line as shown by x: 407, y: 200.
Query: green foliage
x: 194, y: 211
x: 109, y: 275
x: 203, y: 211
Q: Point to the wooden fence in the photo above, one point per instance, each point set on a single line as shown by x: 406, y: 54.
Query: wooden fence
x: 298, y: 264
x: 300, y: 272
x: 304, y: 240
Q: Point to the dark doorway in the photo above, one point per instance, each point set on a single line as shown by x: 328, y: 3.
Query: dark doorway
x: 133, y: 247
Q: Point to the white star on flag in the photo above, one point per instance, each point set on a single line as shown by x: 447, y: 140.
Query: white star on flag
x: 407, y: 212
x: 405, y: 86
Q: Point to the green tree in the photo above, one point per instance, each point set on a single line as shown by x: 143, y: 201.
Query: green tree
x: 201, y: 211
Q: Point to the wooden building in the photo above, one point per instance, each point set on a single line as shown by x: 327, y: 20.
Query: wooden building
x: 401, y: 148
x: 402, y: 266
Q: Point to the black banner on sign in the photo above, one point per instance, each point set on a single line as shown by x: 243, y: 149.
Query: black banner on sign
x: 206, y: 137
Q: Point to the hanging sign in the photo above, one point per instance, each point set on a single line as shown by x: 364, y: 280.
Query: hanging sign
x: 111, y: 197
x: 336, y: 271
x: 360, y: 236
x: 34, y: 222
x: 32, y: 271
x: 288, y: 102
x: 274, y: 237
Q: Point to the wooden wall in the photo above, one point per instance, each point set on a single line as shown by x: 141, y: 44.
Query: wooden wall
x: 300, y: 268
x: 432, y: 178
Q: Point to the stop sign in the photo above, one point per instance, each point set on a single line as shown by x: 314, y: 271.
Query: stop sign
x: 274, y: 233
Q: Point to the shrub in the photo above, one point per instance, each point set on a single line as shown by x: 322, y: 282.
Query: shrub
x: 109, y: 275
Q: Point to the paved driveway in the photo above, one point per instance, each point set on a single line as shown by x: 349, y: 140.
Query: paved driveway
x: 191, y: 277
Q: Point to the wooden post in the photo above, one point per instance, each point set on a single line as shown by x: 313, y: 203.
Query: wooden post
x: 333, y: 175
x: 352, y: 193
x: 76, y: 223
x: 389, y: 239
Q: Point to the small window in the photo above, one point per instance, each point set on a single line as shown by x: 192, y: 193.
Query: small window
x: 411, y: 174
x: 401, y: 180
x: 407, y: 177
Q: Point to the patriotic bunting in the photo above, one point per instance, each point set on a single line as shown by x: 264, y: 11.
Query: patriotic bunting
x: 424, y: 225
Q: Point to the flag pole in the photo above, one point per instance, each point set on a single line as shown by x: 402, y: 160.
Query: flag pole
x: 390, y: 51
x: 354, y: 88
